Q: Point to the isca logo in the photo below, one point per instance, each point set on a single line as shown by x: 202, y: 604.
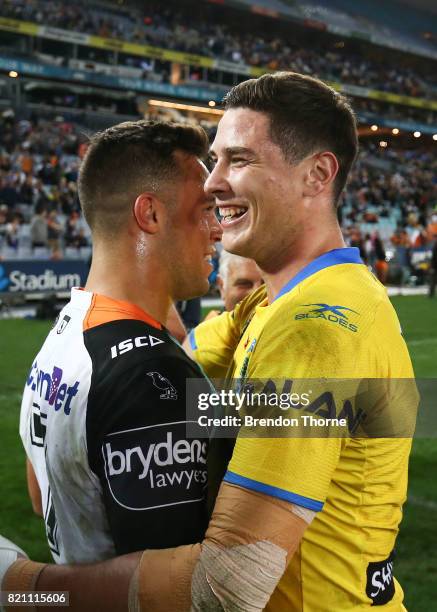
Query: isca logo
x: 338, y: 315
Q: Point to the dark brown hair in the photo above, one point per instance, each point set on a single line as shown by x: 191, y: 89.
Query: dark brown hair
x: 306, y: 116
x: 128, y: 159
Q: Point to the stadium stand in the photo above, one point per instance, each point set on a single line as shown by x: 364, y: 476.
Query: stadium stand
x: 176, y: 28
x: 76, y: 78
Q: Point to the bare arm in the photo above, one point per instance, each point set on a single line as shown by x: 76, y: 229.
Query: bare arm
x: 243, y: 556
x: 33, y: 489
x: 101, y: 586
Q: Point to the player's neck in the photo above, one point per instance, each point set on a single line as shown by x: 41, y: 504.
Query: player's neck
x: 124, y: 278
x: 305, y: 250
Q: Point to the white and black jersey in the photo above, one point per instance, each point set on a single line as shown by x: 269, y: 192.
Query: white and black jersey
x: 103, y: 424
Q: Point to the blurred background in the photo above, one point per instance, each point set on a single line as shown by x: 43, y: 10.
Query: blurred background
x: 68, y: 70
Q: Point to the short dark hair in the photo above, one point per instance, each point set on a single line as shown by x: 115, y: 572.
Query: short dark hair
x: 128, y: 159
x: 306, y: 115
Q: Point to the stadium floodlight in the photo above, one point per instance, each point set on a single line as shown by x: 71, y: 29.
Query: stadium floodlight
x: 395, y: 131
x: 434, y: 136
x: 417, y: 134
x: 374, y: 128
x: 13, y: 74
x: 383, y: 144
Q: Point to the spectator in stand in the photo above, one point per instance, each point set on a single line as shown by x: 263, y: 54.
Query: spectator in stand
x: 26, y: 160
x: 356, y: 240
x: 26, y: 193
x: 381, y: 265
x: 54, y: 231
x: 39, y: 228
x: 8, y: 192
x: 12, y: 231
x: 74, y: 232
x: 433, y: 271
x: 3, y: 223
x: 402, y: 244
x: 432, y: 227
x: 400, y: 239
x: 419, y: 238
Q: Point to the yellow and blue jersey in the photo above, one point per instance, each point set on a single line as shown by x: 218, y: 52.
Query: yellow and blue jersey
x: 332, y: 320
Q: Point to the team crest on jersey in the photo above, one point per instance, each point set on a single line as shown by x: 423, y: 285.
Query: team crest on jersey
x: 335, y: 314
x: 243, y: 370
x: 65, y: 321
x: 168, y: 392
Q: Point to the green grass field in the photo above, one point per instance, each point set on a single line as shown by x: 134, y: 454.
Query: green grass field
x: 416, y: 562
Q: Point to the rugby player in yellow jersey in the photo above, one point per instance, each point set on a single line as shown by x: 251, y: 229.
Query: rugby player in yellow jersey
x: 300, y: 524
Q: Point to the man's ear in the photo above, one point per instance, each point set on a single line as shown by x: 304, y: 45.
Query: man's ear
x: 322, y: 171
x: 145, y: 211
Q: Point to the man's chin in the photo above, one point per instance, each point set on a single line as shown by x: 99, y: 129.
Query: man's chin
x: 195, y: 290
x: 237, y: 245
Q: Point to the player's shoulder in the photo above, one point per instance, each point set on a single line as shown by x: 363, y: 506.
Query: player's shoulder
x: 246, y: 307
x: 346, y: 296
x: 229, y: 325
x: 129, y: 341
x: 138, y: 371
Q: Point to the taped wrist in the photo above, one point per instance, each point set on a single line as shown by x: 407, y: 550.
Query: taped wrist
x: 22, y: 576
x: 240, y: 578
x: 250, y: 539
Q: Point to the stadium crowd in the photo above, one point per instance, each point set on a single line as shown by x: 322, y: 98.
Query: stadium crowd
x: 39, y: 207
x: 179, y: 29
x: 390, y: 205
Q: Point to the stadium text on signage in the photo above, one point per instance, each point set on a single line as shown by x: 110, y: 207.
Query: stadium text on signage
x: 42, y: 282
x: 38, y: 276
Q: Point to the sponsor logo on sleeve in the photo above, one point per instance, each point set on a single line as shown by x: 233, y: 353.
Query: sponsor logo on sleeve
x: 156, y: 466
x: 125, y: 346
x: 380, y: 586
x: 168, y: 392
x: 50, y: 388
x: 337, y: 315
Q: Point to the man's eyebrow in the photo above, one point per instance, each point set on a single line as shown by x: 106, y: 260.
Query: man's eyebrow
x: 229, y: 151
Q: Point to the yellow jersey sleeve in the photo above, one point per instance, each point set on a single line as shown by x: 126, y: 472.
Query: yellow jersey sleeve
x: 213, y: 342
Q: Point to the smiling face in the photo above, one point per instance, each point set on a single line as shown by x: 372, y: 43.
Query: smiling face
x: 258, y: 192
x: 192, y: 229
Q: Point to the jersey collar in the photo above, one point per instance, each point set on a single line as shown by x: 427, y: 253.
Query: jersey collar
x: 331, y: 258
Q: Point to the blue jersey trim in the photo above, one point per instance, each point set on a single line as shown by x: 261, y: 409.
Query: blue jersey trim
x: 254, y: 485
x: 331, y: 258
x: 192, y: 339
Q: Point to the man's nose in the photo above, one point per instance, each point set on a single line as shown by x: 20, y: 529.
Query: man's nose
x: 216, y: 182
